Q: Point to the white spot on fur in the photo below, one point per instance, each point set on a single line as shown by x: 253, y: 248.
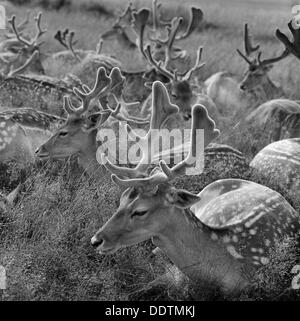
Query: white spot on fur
x: 231, y: 249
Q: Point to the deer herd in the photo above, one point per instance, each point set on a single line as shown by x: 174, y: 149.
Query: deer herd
x: 225, y: 232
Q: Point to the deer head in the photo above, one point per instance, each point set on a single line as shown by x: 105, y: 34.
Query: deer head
x: 78, y: 135
x: 179, y: 84
x: 257, y: 73
x: 27, y: 47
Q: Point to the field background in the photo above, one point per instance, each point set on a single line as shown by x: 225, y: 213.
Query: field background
x: 45, y: 238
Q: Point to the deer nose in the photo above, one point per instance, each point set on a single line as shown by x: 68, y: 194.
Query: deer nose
x: 243, y: 86
x: 96, y: 241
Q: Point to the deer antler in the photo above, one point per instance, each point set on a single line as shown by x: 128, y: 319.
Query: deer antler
x: 162, y: 109
x: 132, y: 177
x: 249, y: 49
x: 198, y: 65
x: 270, y: 61
x: 12, y: 22
x: 200, y: 120
x: 248, y: 46
x: 157, y: 65
x: 101, y: 87
x: 61, y: 37
x: 291, y: 46
x: 66, y: 39
x: 196, y: 17
x: 139, y: 23
x: 39, y: 33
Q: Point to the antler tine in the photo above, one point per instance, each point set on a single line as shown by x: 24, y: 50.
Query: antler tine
x: 198, y: 65
x: 157, y: 65
x: 119, y: 115
x: 244, y: 57
x: 291, y: 46
x: 70, y: 44
x: 270, y: 61
x: 196, y: 17
x: 139, y: 23
x: 99, y: 46
x: 200, y: 120
x: 39, y: 31
x: 162, y: 109
x: 128, y: 10
x: 249, y: 48
x: 172, y: 30
x: 100, y: 89
x: 12, y: 22
x: 61, y: 37
x: 34, y: 56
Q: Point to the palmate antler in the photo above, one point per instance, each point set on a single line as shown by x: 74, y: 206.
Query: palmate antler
x: 162, y: 109
x: 137, y: 176
x: 174, y: 75
x: 66, y: 39
x: 293, y: 46
x: 106, y: 89
x: 196, y: 16
x: 101, y: 88
x: 250, y: 49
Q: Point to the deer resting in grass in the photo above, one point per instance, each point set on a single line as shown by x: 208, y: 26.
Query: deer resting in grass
x: 78, y: 134
x: 221, y: 235
x: 17, y: 50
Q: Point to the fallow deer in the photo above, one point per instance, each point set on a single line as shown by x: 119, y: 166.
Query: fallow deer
x: 180, y: 88
x: 83, y: 62
x: 222, y: 235
x: 255, y: 88
x: 22, y: 130
x: 256, y: 78
x: 78, y: 134
x: 279, y: 116
x: 281, y: 161
x: 37, y: 91
x: 18, y: 50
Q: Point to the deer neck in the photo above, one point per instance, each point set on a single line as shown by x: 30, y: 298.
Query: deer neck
x: 191, y: 247
x: 87, y: 156
x: 271, y: 90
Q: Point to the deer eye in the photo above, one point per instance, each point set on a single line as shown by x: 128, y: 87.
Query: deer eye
x: 139, y: 213
x: 63, y: 134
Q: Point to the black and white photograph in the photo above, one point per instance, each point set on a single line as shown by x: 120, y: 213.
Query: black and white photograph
x: 149, y: 152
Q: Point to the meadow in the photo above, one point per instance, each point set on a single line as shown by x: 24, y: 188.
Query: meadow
x: 45, y: 238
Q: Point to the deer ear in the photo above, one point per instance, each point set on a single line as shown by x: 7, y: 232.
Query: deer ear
x: 181, y: 198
